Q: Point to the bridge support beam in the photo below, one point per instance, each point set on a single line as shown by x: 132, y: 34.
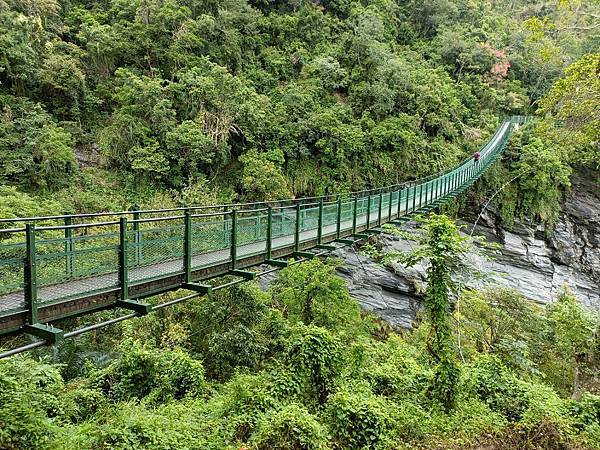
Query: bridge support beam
x: 277, y: 262
x: 306, y: 255
x: 327, y: 247
x: 246, y: 274
x: 46, y: 332
x: 198, y: 287
x: 140, y: 308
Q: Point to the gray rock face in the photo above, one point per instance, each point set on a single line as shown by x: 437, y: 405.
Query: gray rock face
x: 536, y: 262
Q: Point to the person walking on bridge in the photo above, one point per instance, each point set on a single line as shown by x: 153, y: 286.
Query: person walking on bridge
x: 476, y: 157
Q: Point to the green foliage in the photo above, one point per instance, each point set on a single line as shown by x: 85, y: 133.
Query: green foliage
x: 157, y: 376
x: 312, y: 294
x: 262, y: 179
x: 515, y: 399
x: 573, y: 332
x: 572, y: 108
x: 545, y: 176
x: 315, y: 360
x: 308, y: 387
x: 499, y: 321
x: 14, y: 204
x: 291, y: 427
x: 35, y: 152
x: 441, y: 246
x: 239, y: 330
x: 340, y: 95
x: 358, y: 420
x: 29, y: 403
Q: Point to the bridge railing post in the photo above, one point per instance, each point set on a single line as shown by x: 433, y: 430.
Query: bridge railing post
x: 320, y: 223
x: 444, y: 185
x: 297, y: 229
x: 338, y: 229
x: 380, y: 207
x: 30, y: 272
x: 269, y: 232
x: 226, y: 230
x: 354, y: 214
x: 233, y: 240
x: 389, y: 216
x: 414, y: 202
x: 187, y: 245
x: 123, y: 262
x: 137, y: 234
x: 69, y: 247
x: 368, y: 210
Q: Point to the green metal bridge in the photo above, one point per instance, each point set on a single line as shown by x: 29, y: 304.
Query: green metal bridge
x: 64, y: 266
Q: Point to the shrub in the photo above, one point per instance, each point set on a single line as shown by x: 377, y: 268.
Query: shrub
x: 357, y: 420
x: 517, y: 400
x: 290, y: 428
x: 240, y: 404
x: 28, y: 401
x: 80, y: 403
x: 313, y: 294
x: 175, y: 426
x: 160, y: 375
x: 315, y: 360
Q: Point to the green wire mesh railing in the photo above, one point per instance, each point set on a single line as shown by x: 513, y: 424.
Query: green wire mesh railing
x: 44, y: 263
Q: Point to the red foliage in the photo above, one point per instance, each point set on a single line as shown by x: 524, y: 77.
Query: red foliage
x: 500, y: 69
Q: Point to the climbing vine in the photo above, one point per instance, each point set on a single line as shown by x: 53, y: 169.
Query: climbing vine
x: 441, y: 246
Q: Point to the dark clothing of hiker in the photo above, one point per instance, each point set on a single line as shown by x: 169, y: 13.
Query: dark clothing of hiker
x: 476, y: 156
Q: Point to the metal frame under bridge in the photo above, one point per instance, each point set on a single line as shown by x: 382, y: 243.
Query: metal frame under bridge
x: 56, y: 267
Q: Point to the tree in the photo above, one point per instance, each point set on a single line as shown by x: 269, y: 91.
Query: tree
x: 569, y: 343
x: 572, y: 109
x: 262, y: 179
x: 313, y: 294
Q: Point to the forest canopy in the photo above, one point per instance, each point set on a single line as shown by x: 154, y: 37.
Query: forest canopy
x: 325, y: 96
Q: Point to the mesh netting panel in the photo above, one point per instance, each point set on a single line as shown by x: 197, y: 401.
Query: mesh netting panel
x: 12, y: 263
x: 309, y: 219
x: 92, y: 265
x: 347, y: 215
x: 330, y: 214
x: 211, y: 241
x: 286, y: 223
x: 252, y: 235
x: 251, y: 229
x: 157, y: 252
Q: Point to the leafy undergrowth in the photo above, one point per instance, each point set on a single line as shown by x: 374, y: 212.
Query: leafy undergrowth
x: 299, y: 367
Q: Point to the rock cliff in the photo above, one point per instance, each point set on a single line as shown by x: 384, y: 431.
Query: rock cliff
x: 534, y: 261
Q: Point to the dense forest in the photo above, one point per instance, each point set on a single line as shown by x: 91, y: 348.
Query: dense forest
x: 110, y: 103
x: 160, y: 103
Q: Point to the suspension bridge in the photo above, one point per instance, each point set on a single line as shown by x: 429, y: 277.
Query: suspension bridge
x: 57, y: 267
